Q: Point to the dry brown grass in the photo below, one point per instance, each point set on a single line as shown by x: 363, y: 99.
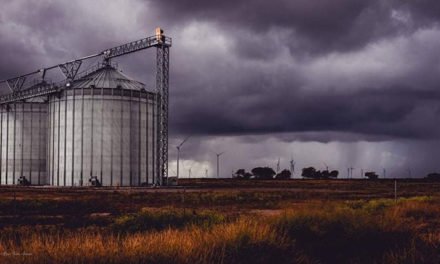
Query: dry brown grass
x: 226, y: 243
x: 258, y: 226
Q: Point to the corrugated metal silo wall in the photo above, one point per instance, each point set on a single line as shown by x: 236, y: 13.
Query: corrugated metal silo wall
x: 108, y: 133
x: 23, y: 135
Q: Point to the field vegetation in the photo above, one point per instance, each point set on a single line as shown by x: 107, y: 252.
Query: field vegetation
x: 208, y: 224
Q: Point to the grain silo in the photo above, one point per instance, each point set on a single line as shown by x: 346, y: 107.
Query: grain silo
x: 96, y: 127
x: 23, y: 133
x: 102, y: 125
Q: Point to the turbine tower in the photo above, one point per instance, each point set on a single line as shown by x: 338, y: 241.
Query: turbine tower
x: 218, y: 163
x: 292, y: 166
x: 178, y: 154
x: 326, y: 166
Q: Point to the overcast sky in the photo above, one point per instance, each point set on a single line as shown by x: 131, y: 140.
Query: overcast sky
x: 348, y: 83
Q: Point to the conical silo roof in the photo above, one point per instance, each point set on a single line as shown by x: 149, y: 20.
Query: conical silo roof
x: 107, y: 77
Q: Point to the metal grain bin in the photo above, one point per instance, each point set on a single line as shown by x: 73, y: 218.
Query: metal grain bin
x: 103, y: 127
x: 23, y: 134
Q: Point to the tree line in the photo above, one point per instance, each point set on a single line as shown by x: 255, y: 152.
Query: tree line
x: 266, y: 173
x: 262, y: 173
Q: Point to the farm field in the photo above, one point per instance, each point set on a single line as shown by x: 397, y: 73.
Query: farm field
x: 224, y: 221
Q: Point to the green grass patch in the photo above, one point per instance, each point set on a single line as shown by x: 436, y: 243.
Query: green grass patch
x: 158, y: 219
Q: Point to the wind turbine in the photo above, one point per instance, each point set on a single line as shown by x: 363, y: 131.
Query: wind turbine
x: 218, y: 163
x: 292, y: 166
x: 178, y: 154
x: 278, y: 165
x: 190, y: 169
x: 350, y: 172
x: 326, y: 166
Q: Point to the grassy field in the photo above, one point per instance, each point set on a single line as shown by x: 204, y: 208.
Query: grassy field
x: 224, y: 221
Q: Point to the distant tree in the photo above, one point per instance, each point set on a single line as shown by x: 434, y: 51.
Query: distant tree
x: 334, y: 174
x: 242, y: 174
x: 434, y: 176
x: 371, y: 175
x: 283, y: 175
x: 239, y: 174
x: 312, y: 173
x: 247, y: 175
x: 325, y: 174
x: 309, y: 172
x: 263, y: 173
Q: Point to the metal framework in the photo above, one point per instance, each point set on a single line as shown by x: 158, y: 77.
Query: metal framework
x: 158, y: 40
x: 162, y: 85
x: 41, y: 89
x: 17, y: 83
x: 70, y: 69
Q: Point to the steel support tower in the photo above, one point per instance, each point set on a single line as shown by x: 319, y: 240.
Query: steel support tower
x: 162, y: 85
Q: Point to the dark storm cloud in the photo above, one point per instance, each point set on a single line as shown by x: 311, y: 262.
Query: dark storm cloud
x: 312, y: 26
x: 34, y: 20
x: 278, y: 101
x: 268, y: 78
x: 36, y: 34
x: 427, y: 11
x: 385, y: 115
